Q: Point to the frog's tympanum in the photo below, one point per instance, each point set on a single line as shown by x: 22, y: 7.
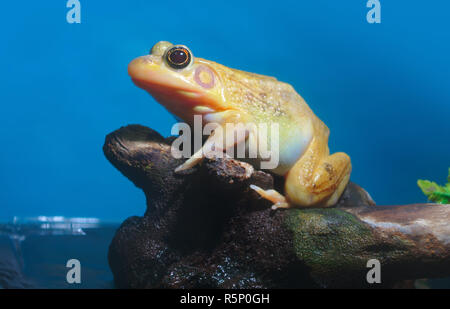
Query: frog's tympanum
x: 188, y: 86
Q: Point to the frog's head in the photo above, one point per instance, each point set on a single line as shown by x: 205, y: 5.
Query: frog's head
x: 181, y: 83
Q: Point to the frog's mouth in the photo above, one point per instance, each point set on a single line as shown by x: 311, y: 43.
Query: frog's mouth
x: 173, y: 91
x: 158, y: 88
x: 175, y: 100
x: 151, y: 76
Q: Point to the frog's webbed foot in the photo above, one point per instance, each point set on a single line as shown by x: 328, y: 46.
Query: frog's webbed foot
x: 278, y: 200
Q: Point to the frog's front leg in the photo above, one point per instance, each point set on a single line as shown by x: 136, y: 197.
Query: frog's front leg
x: 197, y: 157
x: 216, y: 144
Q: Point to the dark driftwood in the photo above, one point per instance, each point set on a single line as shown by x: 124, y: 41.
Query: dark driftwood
x: 206, y: 228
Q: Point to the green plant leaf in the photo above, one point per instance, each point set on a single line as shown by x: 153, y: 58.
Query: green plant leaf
x: 440, y: 197
x: 434, y: 192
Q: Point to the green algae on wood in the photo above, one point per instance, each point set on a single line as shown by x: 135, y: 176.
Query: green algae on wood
x: 329, y: 241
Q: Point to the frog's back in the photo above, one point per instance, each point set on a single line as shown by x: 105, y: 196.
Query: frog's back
x: 268, y: 100
x: 262, y: 96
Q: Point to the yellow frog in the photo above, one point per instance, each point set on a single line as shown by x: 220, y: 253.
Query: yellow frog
x: 188, y: 86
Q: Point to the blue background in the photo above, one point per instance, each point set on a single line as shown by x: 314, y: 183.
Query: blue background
x: 383, y: 89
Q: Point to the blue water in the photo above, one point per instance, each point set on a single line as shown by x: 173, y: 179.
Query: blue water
x: 34, y: 252
x: 383, y: 89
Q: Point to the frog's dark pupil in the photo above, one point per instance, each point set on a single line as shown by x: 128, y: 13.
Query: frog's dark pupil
x: 178, y: 57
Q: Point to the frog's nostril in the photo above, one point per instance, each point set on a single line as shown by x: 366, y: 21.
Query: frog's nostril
x: 147, y: 59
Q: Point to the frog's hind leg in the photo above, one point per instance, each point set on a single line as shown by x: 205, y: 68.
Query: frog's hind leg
x: 278, y: 200
x: 318, y: 179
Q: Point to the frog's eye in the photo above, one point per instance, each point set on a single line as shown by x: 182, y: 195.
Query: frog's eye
x: 178, y: 57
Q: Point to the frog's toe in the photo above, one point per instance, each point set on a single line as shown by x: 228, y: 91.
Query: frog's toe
x: 281, y: 205
x: 189, y: 163
x: 198, y: 157
x: 272, y: 195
